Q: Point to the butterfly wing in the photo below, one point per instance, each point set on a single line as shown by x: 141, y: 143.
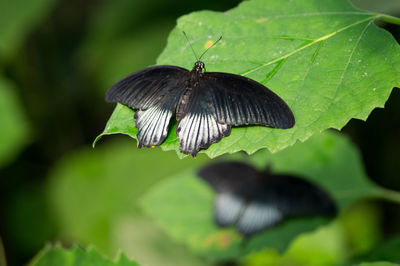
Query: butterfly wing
x: 155, y: 91
x: 278, y: 197
x: 152, y: 123
x: 146, y: 87
x: 239, y: 199
x: 258, y: 216
x: 227, y: 209
x: 249, y: 216
x: 238, y: 100
x: 229, y: 177
x: 297, y: 196
x: 198, y: 128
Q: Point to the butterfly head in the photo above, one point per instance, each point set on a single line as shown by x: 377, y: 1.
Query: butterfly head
x: 198, y: 67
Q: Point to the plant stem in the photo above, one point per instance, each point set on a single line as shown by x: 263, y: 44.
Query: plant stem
x: 389, y: 19
x: 390, y: 195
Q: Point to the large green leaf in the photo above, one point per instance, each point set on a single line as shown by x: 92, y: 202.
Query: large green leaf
x: 183, y: 204
x: 326, y: 59
x: 17, y: 19
x: 76, y: 256
x: 15, y: 132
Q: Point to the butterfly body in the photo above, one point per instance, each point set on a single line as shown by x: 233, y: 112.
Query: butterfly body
x: 206, y: 104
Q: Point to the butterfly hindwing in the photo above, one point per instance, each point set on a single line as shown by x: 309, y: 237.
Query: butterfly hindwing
x: 144, y: 88
x: 238, y: 100
x: 198, y: 128
x: 152, y: 124
x: 227, y: 209
x: 258, y: 216
x: 154, y: 91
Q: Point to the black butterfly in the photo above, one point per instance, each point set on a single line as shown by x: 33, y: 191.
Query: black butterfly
x: 255, y: 201
x: 206, y: 104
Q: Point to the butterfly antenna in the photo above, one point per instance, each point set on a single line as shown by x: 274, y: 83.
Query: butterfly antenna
x: 210, y: 47
x: 184, y: 33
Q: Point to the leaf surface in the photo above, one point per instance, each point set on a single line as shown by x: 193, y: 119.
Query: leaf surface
x: 327, y: 60
x: 386, y: 251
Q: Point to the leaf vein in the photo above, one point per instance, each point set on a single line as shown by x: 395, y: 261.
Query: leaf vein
x: 272, y: 73
x: 344, y: 70
x: 306, y: 15
x: 325, y: 37
x: 315, y: 54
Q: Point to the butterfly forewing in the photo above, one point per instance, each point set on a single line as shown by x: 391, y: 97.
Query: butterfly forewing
x: 155, y: 91
x: 238, y: 100
x: 229, y: 176
x: 296, y: 196
x: 144, y: 88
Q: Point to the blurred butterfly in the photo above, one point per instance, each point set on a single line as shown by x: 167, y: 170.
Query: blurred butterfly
x: 254, y: 201
x: 206, y: 104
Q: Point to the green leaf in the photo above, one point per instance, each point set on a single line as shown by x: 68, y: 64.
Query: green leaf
x: 325, y: 246
x: 93, y: 195
x: 387, y: 251
x: 183, y: 204
x: 326, y: 59
x: 17, y: 19
x: 143, y: 240
x: 77, y: 256
x: 15, y: 131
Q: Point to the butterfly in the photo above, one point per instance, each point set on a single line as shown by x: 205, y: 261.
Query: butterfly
x: 254, y: 201
x: 206, y: 104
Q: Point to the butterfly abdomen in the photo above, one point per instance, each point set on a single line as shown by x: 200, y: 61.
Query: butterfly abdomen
x: 183, y: 103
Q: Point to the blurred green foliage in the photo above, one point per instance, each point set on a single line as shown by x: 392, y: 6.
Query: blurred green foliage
x: 15, y: 133
x: 387, y: 251
x: 328, y: 160
x: 332, y: 244
x: 91, y: 190
x: 57, y: 58
x: 51, y: 256
x: 17, y: 20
